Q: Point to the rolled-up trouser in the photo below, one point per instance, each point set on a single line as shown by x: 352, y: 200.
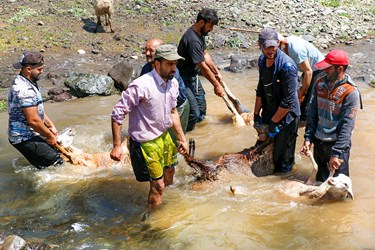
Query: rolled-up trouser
x: 322, y: 154
x: 284, y: 147
x: 196, y: 96
x: 39, y: 153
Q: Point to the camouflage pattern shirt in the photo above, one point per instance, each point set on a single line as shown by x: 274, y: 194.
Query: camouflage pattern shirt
x: 22, y: 94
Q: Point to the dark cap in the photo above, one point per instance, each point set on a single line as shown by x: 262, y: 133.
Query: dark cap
x: 168, y: 52
x: 268, y: 37
x: 29, y: 58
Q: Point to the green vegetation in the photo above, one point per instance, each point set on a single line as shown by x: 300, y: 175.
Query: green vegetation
x: 77, y: 12
x: 331, y: 3
x: 22, y: 14
x: 234, y: 43
x: 3, y: 105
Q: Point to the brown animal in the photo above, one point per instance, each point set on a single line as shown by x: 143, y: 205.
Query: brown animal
x: 103, y: 8
x: 257, y: 159
x: 77, y: 157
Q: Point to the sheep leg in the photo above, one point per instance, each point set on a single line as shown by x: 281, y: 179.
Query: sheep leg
x: 109, y: 22
x: 98, y: 23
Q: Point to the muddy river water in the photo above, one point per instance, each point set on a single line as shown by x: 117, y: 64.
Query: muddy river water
x: 105, y: 208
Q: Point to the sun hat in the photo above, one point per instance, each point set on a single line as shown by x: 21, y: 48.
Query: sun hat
x: 29, y: 58
x: 334, y: 57
x: 268, y: 37
x: 168, y: 52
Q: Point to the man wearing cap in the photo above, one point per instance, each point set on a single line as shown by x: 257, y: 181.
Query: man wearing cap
x: 192, y: 47
x: 183, y: 105
x: 276, y: 101
x: 305, y: 55
x: 30, y: 130
x: 150, y: 101
x: 331, y: 116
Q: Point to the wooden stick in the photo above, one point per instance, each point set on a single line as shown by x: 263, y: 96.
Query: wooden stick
x: 69, y: 156
x: 245, y: 30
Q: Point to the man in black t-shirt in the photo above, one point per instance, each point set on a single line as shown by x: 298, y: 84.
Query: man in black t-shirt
x: 192, y: 47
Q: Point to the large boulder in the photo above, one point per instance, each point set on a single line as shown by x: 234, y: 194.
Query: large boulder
x: 84, y: 84
x: 122, y: 73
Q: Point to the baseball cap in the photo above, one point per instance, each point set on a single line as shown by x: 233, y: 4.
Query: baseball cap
x: 168, y: 52
x: 268, y: 37
x: 29, y: 58
x: 334, y: 57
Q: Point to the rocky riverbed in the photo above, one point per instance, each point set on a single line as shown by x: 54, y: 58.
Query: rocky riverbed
x: 63, y: 30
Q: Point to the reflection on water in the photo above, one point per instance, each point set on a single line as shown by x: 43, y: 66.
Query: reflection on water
x: 105, y: 208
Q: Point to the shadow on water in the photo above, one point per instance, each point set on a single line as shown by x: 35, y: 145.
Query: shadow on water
x: 105, y: 208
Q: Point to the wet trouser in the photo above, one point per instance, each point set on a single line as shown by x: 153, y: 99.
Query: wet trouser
x: 284, y: 147
x: 183, y: 111
x: 305, y: 104
x: 322, y: 154
x: 196, y: 96
x: 38, y: 152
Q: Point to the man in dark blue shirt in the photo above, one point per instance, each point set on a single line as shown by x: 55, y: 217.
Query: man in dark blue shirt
x: 193, y: 48
x: 277, y: 99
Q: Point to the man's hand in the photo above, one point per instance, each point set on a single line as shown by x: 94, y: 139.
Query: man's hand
x: 334, y: 163
x: 219, y: 91
x: 182, y: 147
x: 116, y: 153
x: 51, y: 140
x: 306, y: 148
x: 219, y: 77
x: 273, y: 129
x: 301, y: 96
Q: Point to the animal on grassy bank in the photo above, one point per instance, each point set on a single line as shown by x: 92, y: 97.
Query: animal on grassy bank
x: 104, y: 8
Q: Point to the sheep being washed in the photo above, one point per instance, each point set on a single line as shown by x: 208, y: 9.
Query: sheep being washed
x: 103, y: 8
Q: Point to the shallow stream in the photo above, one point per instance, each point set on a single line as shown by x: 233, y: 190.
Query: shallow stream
x: 105, y: 208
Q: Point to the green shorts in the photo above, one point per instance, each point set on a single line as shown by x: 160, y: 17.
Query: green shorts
x: 158, y: 154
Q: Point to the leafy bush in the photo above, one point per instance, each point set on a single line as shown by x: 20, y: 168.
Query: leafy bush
x: 234, y: 43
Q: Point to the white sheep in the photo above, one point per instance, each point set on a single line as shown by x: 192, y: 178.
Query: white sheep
x: 103, y: 7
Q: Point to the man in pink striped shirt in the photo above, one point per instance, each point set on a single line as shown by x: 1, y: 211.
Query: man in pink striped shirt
x: 150, y: 101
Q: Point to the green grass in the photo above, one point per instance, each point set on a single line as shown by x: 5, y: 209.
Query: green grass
x: 77, y: 12
x: 22, y: 14
x: 3, y: 105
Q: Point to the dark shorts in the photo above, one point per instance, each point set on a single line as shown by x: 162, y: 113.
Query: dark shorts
x: 142, y: 169
x: 39, y: 153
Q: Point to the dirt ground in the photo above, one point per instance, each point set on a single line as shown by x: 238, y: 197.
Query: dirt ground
x: 61, y: 28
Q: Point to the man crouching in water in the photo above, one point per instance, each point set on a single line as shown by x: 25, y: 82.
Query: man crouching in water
x: 151, y: 101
